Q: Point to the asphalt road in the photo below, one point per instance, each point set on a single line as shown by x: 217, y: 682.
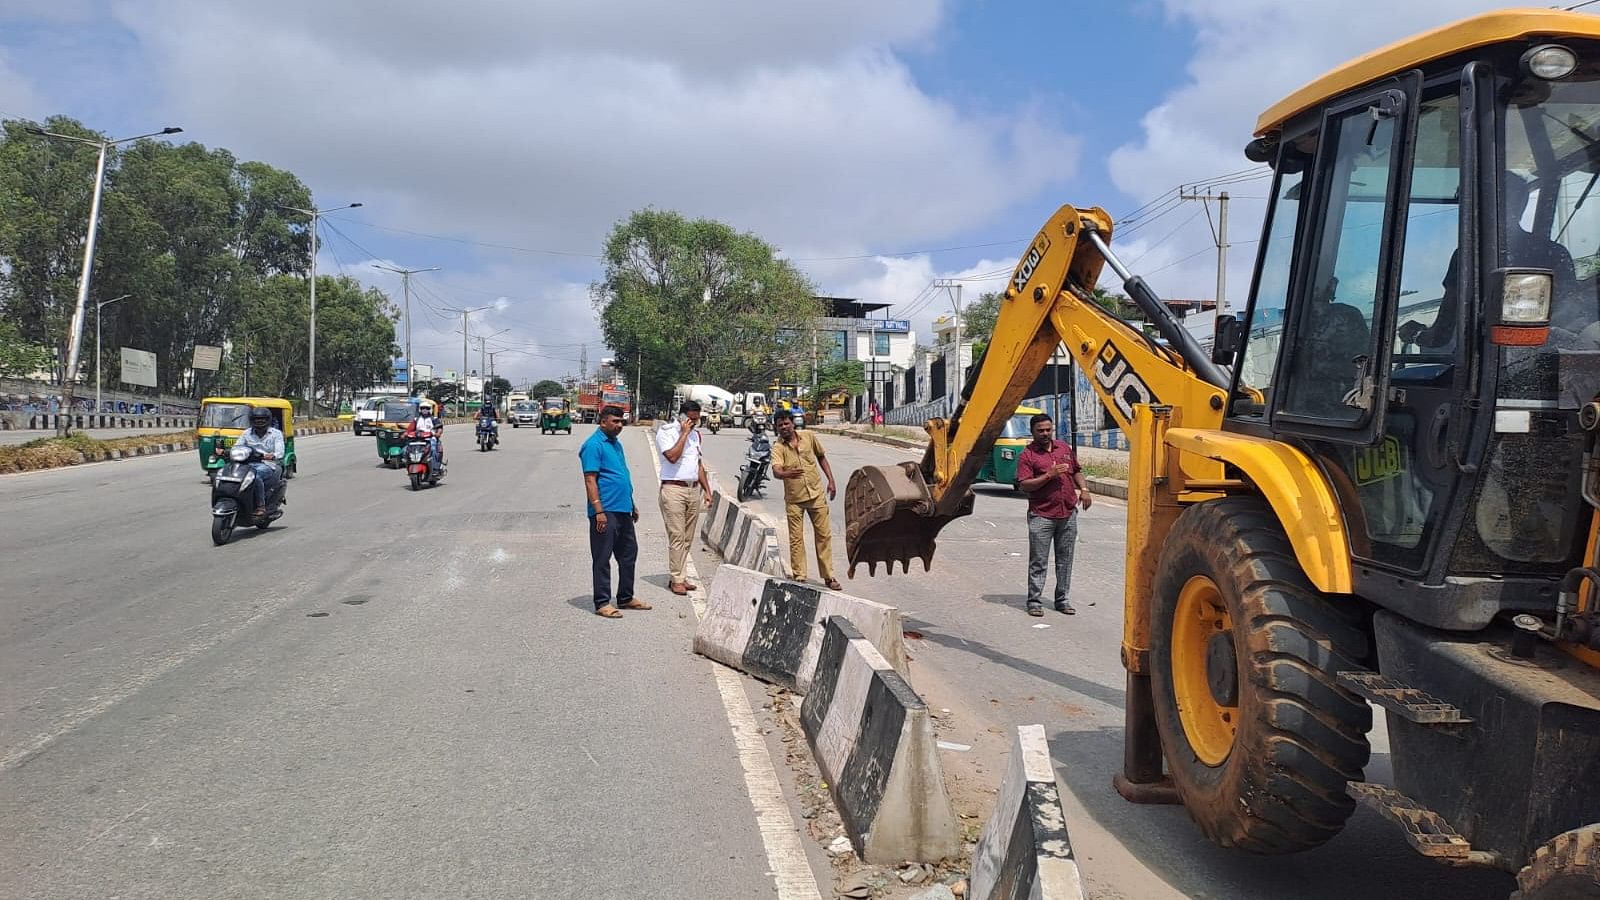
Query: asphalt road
x: 980, y: 654
x: 387, y: 694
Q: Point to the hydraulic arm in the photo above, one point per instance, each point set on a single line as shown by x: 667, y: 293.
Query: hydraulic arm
x: 895, y: 513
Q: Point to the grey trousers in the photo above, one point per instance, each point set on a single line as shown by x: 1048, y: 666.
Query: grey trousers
x: 1042, y: 534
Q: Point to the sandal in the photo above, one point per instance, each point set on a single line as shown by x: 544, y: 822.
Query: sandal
x: 634, y: 603
x: 608, y: 612
x: 833, y: 584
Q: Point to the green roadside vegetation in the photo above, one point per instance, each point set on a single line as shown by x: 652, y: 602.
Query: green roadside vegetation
x: 55, y: 452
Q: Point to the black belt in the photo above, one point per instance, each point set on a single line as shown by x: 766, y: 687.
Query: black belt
x: 680, y: 483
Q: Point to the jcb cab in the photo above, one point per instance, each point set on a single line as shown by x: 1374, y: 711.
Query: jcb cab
x: 1378, y: 489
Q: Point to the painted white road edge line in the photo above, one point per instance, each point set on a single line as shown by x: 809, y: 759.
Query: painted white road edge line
x: 780, y: 836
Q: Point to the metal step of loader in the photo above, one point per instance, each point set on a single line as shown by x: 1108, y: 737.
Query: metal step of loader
x: 1426, y: 831
x: 1406, y: 702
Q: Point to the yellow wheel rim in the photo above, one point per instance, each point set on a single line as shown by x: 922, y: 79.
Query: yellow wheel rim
x: 1204, y: 673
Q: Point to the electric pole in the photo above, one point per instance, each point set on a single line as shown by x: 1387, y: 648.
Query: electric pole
x: 1219, y: 235
x: 405, y: 282
x: 466, y: 331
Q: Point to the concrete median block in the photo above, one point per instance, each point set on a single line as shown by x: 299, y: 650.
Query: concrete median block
x: 773, y: 628
x: 742, y: 536
x: 874, y: 744
x: 1024, y: 850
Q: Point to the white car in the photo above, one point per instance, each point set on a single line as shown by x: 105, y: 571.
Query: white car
x: 525, y: 413
x: 367, y: 413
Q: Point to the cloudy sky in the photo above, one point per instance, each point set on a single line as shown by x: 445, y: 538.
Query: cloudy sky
x: 880, y: 144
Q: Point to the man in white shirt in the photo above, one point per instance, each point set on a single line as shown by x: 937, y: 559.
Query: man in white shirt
x: 682, y: 472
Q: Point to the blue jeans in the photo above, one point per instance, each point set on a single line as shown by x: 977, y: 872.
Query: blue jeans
x: 1043, y: 535
x: 266, y: 482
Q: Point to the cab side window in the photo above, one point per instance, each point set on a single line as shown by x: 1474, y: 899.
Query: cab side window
x: 1329, y: 363
x: 1264, y: 330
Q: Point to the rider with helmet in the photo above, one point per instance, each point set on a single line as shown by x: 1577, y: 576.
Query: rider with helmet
x: 488, y: 414
x: 427, y: 424
x: 266, y: 439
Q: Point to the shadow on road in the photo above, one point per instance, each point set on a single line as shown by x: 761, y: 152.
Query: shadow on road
x: 1108, y: 696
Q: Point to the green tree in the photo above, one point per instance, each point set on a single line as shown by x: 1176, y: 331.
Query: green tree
x: 848, y: 375
x: 19, y: 357
x: 547, y: 388
x: 700, y: 302
x: 978, y: 319
x: 498, y: 387
x: 355, y: 337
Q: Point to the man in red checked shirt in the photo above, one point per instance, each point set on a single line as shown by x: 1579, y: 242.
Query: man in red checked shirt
x: 1050, y: 475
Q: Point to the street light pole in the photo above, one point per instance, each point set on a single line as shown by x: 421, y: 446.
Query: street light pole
x: 97, y: 307
x: 75, y: 336
x: 311, y: 364
x: 466, y: 332
x: 405, y: 281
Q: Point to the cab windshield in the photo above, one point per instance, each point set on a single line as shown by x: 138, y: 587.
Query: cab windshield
x: 1017, y: 426
x: 226, y: 415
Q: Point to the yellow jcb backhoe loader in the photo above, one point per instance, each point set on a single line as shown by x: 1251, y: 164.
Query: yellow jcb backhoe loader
x: 1379, y: 487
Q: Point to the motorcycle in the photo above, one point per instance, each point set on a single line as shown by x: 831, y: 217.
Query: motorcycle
x: 232, y: 493
x: 488, y: 435
x: 714, y: 423
x: 753, y: 474
x: 420, y: 463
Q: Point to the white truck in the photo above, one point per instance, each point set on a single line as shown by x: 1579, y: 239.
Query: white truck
x: 710, y: 397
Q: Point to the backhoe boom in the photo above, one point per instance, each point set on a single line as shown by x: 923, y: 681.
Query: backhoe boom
x: 895, y: 513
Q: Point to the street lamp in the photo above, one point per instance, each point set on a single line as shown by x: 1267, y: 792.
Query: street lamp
x: 75, y: 337
x: 466, y: 334
x: 311, y: 376
x: 97, y: 307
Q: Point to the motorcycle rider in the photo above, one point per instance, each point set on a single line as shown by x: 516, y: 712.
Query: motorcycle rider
x: 266, y: 439
x: 487, y: 413
x: 427, y: 423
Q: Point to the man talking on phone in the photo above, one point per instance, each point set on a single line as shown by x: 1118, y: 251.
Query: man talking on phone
x: 685, y: 490
x: 1049, y: 474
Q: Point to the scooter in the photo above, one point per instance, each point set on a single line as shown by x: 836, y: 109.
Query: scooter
x: 488, y: 435
x: 233, y: 493
x: 714, y: 423
x: 420, y: 463
x: 753, y: 474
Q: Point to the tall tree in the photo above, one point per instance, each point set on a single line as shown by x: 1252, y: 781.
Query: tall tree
x: 547, y: 388
x: 700, y: 302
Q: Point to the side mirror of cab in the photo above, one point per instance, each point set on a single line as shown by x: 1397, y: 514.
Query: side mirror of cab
x: 1228, y: 341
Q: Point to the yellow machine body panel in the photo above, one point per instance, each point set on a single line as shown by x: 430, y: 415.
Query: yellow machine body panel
x: 1459, y: 37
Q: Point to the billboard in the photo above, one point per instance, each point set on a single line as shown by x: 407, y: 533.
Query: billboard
x: 401, y: 373
x: 138, y: 367
x: 207, y: 357
x: 474, y: 384
x: 423, y: 371
x: 893, y: 326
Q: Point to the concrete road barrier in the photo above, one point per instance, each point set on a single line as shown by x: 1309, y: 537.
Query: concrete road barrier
x: 873, y: 741
x: 773, y: 628
x: 1024, y: 850
x: 742, y: 536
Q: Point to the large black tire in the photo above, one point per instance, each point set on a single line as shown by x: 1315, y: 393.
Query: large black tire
x: 1293, y: 738
x: 1567, y: 868
x: 221, y: 529
x: 416, y: 481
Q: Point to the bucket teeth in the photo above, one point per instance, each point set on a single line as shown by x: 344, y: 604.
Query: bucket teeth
x: 889, y: 517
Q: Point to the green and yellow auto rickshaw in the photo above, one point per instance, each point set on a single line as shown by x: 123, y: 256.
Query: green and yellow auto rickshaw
x: 389, y: 429
x: 223, y: 419
x: 1001, y: 467
x: 557, y: 416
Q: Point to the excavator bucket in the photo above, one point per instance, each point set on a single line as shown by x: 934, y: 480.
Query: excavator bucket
x: 889, y: 516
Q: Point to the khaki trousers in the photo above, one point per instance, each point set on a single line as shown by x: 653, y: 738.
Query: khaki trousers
x: 680, y: 509
x: 822, y: 532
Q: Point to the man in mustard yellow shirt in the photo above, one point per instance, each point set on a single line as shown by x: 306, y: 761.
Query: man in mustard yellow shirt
x: 799, y: 460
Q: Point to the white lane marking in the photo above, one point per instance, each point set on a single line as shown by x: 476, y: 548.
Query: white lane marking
x: 131, y: 686
x: 780, y: 836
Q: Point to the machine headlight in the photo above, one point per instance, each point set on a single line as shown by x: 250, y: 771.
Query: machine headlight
x: 1550, y: 62
x: 1525, y: 297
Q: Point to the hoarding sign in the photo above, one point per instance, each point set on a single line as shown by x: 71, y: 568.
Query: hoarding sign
x: 138, y: 367
x: 207, y: 357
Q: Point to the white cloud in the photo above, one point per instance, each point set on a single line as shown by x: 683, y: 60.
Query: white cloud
x: 542, y: 124
x: 18, y: 96
x: 1248, y: 55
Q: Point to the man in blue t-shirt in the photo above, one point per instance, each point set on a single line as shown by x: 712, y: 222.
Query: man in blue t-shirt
x: 612, y: 515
